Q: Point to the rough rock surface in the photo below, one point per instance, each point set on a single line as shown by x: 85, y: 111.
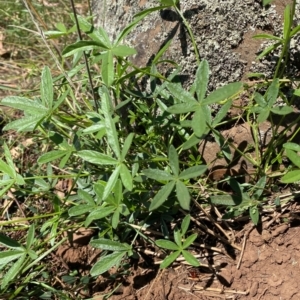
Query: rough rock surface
x: 223, y: 31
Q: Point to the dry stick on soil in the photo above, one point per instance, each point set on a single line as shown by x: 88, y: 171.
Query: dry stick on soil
x: 209, y: 231
x: 156, y: 279
x: 244, y: 246
x: 201, y: 288
x: 211, y: 219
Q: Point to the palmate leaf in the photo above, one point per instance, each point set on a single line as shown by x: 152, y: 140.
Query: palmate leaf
x: 28, y: 123
x: 162, y: 195
x: 52, y: 155
x: 107, y: 262
x: 192, y: 172
x: 31, y: 107
x: 126, y: 177
x: 292, y: 146
x: 111, y: 132
x: 123, y: 51
x: 191, y: 259
x: 13, y: 271
x: 291, y: 177
x: 183, y: 195
x: 82, y: 46
x: 8, y: 256
x: 96, y: 157
x: 107, y: 70
x: 272, y: 93
x: 201, y: 81
x: 111, y: 182
x: 185, y: 224
x: 178, y: 92
x: 282, y: 110
x: 169, y: 259
x: 47, y: 88
x: 254, y: 214
x: 166, y: 244
x: 223, y: 93
x: 110, y: 245
x: 158, y: 175
x: 173, y: 159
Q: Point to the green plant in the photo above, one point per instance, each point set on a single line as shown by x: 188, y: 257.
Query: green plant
x: 242, y: 199
x: 284, y: 41
x: 133, y: 161
x: 180, y: 245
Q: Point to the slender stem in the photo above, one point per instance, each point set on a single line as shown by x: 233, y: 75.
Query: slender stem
x: 187, y: 26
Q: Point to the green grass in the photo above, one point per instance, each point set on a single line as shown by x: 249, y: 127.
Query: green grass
x: 116, y: 161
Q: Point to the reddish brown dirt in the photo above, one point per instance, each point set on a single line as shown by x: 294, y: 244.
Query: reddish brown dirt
x: 269, y: 269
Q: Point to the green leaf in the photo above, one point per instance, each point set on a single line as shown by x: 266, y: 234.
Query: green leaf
x: 32, y: 107
x: 267, y: 50
x: 10, y: 243
x: 158, y: 175
x: 110, y: 245
x: 185, y: 224
x: 126, y: 177
x: 260, y: 185
x: 201, y: 80
x: 79, y: 210
x: 223, y: 111
x: 192, y: 141
x: 183, y: 195
x: 107, y: 71
x: 267, y: 36
x: 177, y: 237
x: 293, y: 157
x: 282, y: 110
x: 192, y: 172
x: 292, y: 146
x: 199, y: 122
x: 115, y: 219
x: 97, y: 158
x: 166, y: 244
x: 47, y: 88
x: 127, y: 145
x: 173, y: 159
x: 8, y: 256
x: 189, y: 240
x: 263, y: 115
x: 25, y: 124
x: 111, y: 182
x: 6, y: 169
x: 107, y: 262
x: 82, y: 46
x: 192, y: 260
x: 52, y: 155
x: 272, y: 92
x: 254, y: 214
x: 260, y: 100
x: 111, y: 132
x: 98, y: 214
x: 223, y: 93
x: 227, y: 200
x: 291, y: 177
x: 86, y: 197
x: 178, y: 92
x: 295, y: 31
x: 13, y: 271
x: 169, y: 259
x: 30, y: 236
x: 162, y: 195
x: 183, y: 108
x: 123, y: 51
